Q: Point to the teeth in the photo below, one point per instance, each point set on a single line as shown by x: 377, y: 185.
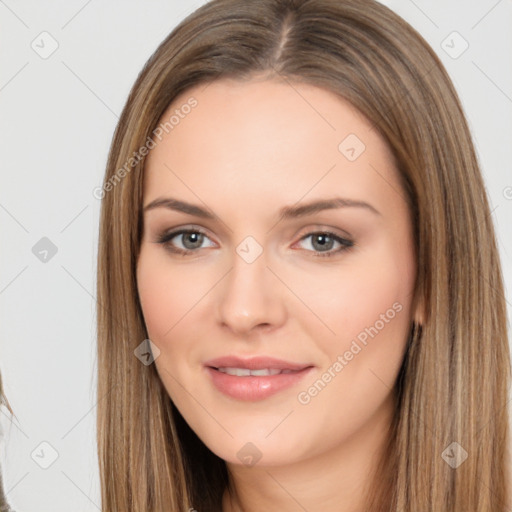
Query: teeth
x: 245, y: 372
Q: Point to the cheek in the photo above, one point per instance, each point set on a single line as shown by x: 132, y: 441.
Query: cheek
x: 166, y: 294
x: 375, y: 295
x: 157, y: 296
x: 167, y: 291
x: 366, y: 304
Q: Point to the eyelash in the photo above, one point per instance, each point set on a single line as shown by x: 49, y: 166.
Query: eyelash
x: 165, y: 238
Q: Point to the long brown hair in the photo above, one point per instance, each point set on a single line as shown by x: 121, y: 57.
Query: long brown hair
x: 452, y: 390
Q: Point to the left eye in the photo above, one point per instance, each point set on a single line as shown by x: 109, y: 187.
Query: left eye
x: 322, y: 243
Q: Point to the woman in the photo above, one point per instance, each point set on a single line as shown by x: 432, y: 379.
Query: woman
x: 242, y: 365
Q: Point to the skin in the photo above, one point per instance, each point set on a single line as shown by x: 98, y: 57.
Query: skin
x: 245, y: 151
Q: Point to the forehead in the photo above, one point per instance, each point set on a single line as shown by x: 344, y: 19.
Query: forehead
x: 270, y: 137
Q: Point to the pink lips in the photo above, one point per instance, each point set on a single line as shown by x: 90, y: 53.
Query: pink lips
x: 254, y: 387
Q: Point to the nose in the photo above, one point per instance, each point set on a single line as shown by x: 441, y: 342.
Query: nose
x: 250, y: 297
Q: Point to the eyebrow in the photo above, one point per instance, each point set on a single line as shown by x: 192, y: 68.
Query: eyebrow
x: 288, y: 212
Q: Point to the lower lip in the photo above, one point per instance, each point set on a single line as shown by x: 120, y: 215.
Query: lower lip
x: 253, y: 388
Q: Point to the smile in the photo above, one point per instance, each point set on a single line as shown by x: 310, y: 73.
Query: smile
x: 245, y: 372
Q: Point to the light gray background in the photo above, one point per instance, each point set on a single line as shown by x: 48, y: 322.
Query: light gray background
x: 57, y: 118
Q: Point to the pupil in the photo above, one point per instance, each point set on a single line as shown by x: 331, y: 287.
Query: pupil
x: 323, y: 241
x: 195, y: 243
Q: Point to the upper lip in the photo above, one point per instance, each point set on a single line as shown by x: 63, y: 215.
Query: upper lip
x: 254, y: 363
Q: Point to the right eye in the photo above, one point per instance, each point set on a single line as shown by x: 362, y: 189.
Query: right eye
x: 191, y: 240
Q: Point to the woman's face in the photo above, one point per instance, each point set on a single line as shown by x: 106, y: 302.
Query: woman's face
x: 282, y: 329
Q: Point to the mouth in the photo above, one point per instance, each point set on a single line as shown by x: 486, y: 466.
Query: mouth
x: 246, y: 372
x: 256, y: 378
x: 254, y: 363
